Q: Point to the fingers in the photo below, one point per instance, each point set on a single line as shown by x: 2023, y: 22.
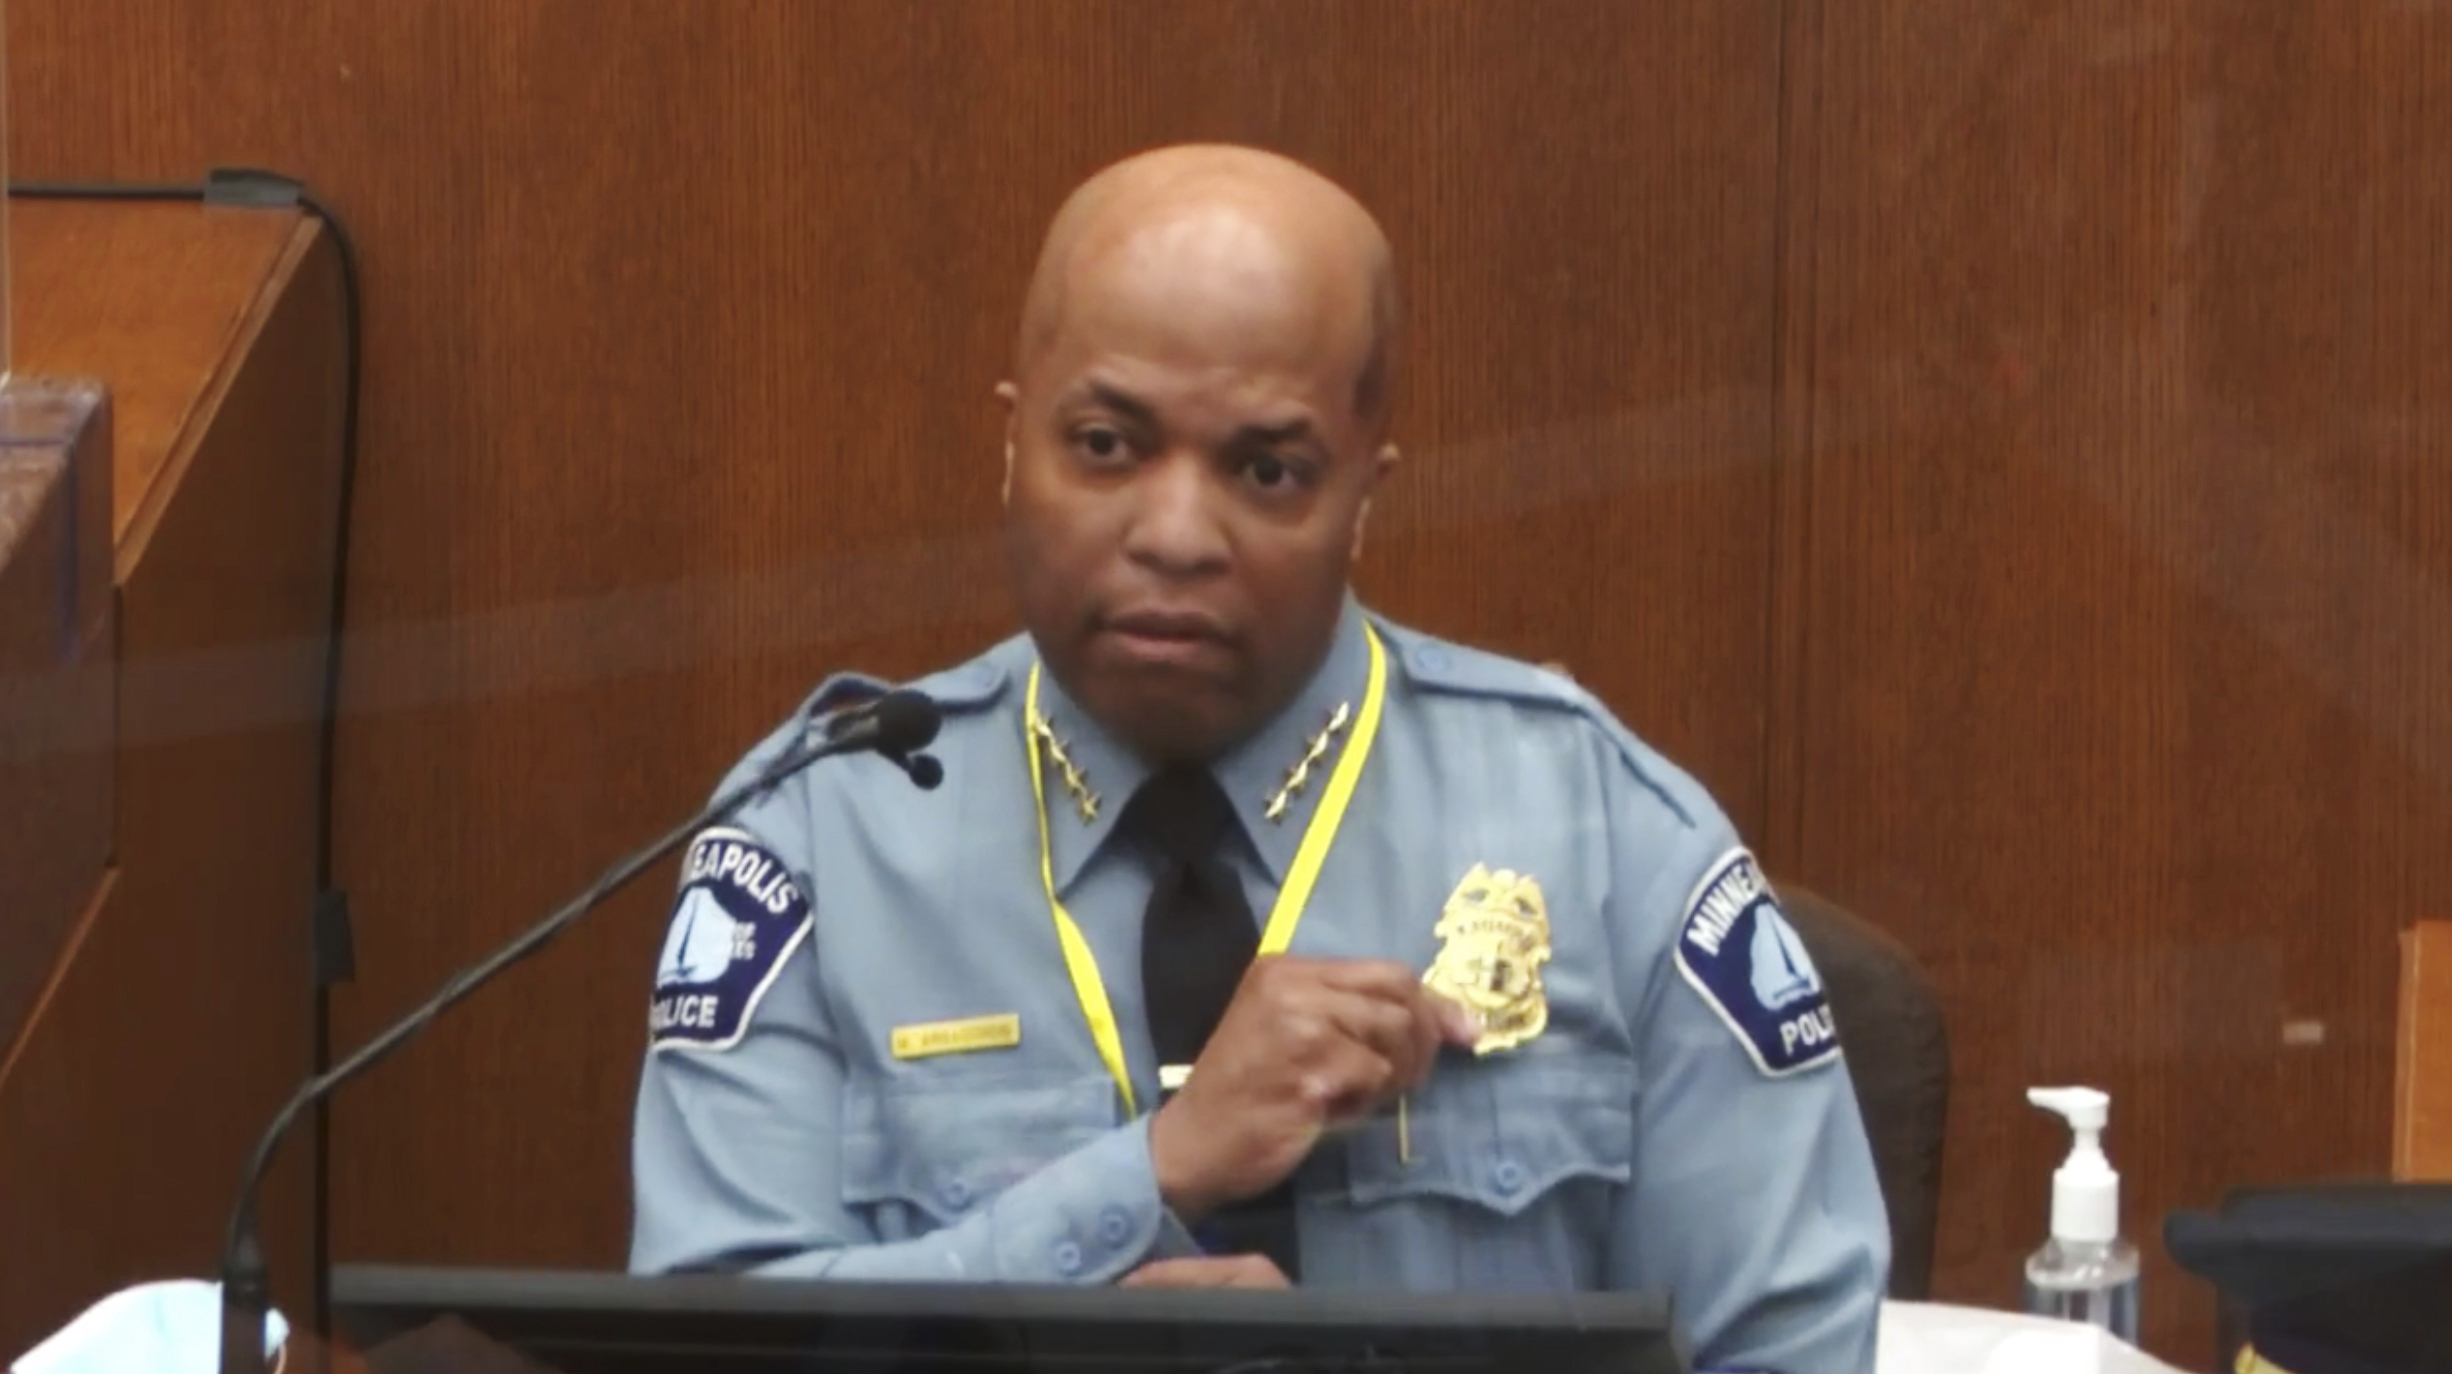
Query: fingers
x: 1207, y: 1271
x: 1457, y: 1026
x: 1165, y: 1273
x: 1393, y: 1031
x: 1348, y: 1080
x: 1395, y: 982
x: 1440, y: 1021
x: 1357, y: 1034
x: 1252, y: 1271
x: 1370, y: 977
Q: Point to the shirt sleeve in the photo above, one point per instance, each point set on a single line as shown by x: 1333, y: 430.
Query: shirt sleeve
x: 737, y: 1142
x: 1755, y: 1203
x: 738, y: 1168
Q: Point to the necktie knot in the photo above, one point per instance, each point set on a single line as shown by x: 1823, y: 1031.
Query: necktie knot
x: 1180, y: 814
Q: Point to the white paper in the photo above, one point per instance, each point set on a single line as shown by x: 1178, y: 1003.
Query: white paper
x: 153, y: 1328
x: 1935, y: 1338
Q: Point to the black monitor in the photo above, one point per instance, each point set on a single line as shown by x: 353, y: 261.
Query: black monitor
x: 590, y: 1323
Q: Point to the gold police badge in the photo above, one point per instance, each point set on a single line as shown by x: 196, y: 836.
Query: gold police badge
x: 1495, y: 934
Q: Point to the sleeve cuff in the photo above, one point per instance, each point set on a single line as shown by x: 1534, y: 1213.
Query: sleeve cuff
x: 1090, y: 1217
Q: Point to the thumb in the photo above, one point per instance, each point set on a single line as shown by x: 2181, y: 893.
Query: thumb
x: 1457, y: 1024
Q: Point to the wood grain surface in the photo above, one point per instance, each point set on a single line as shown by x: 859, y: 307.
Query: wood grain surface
x: 1999, y: 446
x: 179, y: 1019
x: 2119, y: 633
x: 58, y: 680
x: 2422, y: 1098
x: 160, y: 290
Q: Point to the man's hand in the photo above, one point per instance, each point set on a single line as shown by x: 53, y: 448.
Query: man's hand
x: 1207, y: 1271
x: 1306, y: 1045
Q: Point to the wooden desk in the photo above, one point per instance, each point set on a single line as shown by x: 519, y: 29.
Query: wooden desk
x: 170, y: 1009
x: 58, y: 677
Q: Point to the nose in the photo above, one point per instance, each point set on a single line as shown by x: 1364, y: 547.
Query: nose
x: 1175, y: 530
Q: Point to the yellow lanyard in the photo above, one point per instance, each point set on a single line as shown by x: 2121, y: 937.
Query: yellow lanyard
x: 1082, y: 965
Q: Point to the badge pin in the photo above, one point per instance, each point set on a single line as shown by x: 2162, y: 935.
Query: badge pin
x: 1076, y: 783
x: 1299, y: 776
x: 1495, y: 936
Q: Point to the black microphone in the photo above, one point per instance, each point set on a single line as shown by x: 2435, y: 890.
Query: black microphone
x: 903, y: 720
x: 894, y: 725
x: 925, y: 772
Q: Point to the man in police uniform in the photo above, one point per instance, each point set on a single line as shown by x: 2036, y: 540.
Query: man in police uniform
x: 1253, y: 939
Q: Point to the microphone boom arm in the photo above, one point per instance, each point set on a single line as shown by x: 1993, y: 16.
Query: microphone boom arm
x: 246, y: 1289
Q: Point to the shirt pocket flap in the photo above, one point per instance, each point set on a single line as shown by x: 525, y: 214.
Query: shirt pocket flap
x: 947, y: 1148
x: 1500, y: 1134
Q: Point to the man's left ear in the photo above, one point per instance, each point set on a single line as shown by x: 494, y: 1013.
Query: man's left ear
x: 1383, y: 463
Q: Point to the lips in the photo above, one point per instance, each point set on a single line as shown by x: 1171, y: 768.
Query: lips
x: 1166, y: 640
x: 1167, y: 625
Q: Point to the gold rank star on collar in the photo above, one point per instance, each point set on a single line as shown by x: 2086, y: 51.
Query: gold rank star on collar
x: 1299, y: 776
x: 1076, y: 783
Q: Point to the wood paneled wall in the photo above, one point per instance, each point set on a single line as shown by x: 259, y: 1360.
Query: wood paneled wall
x: 2116, y: 667
x: 2000, y: 447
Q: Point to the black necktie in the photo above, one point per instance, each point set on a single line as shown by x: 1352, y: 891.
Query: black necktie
x: 1197, y: 939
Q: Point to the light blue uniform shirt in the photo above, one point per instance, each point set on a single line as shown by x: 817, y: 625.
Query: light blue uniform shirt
x: 1682, y: 1122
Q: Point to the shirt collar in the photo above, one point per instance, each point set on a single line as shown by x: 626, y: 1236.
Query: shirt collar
x: 1082, y: 803
x: 1253, y: 773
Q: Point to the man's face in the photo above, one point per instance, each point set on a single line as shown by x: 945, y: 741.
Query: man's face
x: 1187, y: 481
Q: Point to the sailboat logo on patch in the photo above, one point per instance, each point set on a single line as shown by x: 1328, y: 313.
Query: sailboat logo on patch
x: 1783, y: 972
x: 699, y: 946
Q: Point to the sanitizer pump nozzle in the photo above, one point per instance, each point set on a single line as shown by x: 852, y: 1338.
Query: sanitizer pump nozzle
x: 2085, y: 1272
x: 2085, y: 1190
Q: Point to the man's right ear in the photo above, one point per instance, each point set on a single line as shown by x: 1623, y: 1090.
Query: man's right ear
x: 1011, y: 395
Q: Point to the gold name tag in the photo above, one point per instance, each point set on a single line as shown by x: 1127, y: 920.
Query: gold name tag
x: 958, y: 1037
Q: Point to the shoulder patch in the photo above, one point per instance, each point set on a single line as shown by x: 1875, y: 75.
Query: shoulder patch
x: 1740, y: 954
x: 739, y: 916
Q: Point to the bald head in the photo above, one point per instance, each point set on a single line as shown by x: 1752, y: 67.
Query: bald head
x: 1195, y: 424
x: 1229, y: 224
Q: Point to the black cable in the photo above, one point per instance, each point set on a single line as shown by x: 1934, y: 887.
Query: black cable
x: 106, y: 190
x: 327, y: 750
x: 249, y: 187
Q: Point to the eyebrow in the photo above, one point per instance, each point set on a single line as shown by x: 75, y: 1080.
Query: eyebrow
x: 1122, y: 402
x: 1140, y: 412
x: 1283, y: 432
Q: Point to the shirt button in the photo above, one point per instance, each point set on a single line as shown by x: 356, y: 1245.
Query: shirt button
x: 1067, y: 1257
x: 1508, y: 1176
x: 1114, y: 1227
x: 957, y: 1194
x: 1431, y: 656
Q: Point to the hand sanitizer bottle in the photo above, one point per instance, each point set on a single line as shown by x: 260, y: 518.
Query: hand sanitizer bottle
x: 2085, y: 1272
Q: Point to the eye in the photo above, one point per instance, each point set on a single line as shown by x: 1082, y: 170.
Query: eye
x: 1274, y: 473
x: 1100, y: 444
